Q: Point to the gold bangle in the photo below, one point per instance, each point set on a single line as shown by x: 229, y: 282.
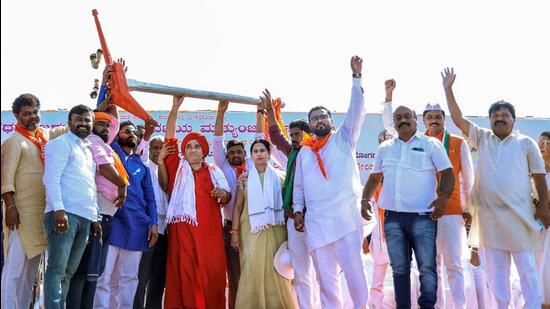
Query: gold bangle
x: 10, y: 206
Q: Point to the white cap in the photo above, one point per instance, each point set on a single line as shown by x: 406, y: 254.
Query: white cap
x: 282, y: 263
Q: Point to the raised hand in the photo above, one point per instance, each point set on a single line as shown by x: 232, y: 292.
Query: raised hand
x: 266, y: 103
x: 121, y: 60
x: 222, y: 106
x: 389, y: 86
x: 150, y: 125
x: 356, y: 64
x: 177, y: 100
x: 448, y: 76
x: 165, y: 151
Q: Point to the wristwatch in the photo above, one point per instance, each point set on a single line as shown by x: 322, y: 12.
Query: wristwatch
x: 261, y: 111
x: 356, y: 75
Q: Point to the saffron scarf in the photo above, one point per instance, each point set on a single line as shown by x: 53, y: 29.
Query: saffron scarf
x: 239, y: 169
x: 444, y: 136
x: 40, y: 141
x: 315, y: 146
x: 121, y: 170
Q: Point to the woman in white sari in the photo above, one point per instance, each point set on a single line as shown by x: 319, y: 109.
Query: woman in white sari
x: 257, y: 232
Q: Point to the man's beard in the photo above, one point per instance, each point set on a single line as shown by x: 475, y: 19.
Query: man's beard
x: 295, y: 145
x: 236, y: 161
x: 322, y: 132
x: 127, y: 143
x: 104, y: 135
x: 82, y: 133
x: 31, y: 125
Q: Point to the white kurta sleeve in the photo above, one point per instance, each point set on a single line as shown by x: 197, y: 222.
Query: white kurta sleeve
x: 219, y: 150
x: 466, y: 171
x: 298, y: 197
x: 387, y: 118
x: 351, y: 126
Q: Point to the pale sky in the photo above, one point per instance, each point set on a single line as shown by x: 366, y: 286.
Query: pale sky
x: 300, y: 50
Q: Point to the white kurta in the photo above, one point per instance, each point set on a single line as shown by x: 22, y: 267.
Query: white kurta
x: 333, y: 204
x: 502, y: 209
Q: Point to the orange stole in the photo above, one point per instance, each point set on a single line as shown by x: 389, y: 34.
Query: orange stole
x: 380, y: 210
x: 455, y: 142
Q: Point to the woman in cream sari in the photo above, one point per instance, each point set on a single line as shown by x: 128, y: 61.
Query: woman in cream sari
x: 257, y: 232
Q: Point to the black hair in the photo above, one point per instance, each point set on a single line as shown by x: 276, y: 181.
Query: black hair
x: 233, y: 143
x: 26, y: 99
x: 426, y: 111
x: 139, y: 129
x: 262, y: 141
x: 545, y: 134
x: 126, y: 123
x: 300, y: 124
x: 318, y: 107
x: 502, y: 104
x: 79, y: 110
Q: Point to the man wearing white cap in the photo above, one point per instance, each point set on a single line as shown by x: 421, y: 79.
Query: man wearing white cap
x: 451, y: 231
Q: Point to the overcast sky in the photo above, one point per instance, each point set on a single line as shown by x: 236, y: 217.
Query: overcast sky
x: 300, y: 50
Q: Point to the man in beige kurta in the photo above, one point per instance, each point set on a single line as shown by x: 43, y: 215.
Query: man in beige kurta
x: 506, y: 224
x: 24, y: 199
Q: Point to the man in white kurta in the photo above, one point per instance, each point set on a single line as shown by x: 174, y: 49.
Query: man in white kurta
x: 504, y: 223
x: 333, y: 221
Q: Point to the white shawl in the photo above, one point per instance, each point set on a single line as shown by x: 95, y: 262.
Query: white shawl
x: 265, y: 204
x: 181, y: 207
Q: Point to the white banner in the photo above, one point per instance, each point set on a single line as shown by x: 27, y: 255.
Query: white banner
x: 242, y: 126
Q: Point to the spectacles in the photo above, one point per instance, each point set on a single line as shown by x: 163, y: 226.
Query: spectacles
x: 319, y: 117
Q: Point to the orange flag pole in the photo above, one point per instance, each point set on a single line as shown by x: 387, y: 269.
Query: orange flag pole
x: 118, y: 86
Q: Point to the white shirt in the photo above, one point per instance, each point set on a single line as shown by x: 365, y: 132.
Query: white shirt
x: 501, y: 197
x: 69, y: 177
x: 466, y: 176
x: 409, y: 170
x: 333, y: 204
x: 160, y: 196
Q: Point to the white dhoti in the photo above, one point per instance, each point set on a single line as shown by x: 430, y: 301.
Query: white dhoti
x: 305, y: 282
x: 344, y: 254
x: 451, y: 251
x: 543, y: 265
x: 381, y: 260
x: 116, y: 287
x: 497, y: 265
x: 18, y: 275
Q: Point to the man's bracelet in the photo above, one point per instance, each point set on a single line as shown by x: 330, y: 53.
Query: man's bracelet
x: 261, y: 111
x: 356, y: 75
x: 10, y: 206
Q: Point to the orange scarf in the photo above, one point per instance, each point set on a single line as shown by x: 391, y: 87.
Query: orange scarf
x: 120, y: 168
x: 315, y: 146
x: 40, y: 141
x: 239, y: 169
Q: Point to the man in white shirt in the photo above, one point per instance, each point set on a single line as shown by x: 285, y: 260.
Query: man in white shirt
x: 327, y: 181
x: 504, y: 221
x: 408, y: 164
x: 451, y: 232
x: 71, y: 204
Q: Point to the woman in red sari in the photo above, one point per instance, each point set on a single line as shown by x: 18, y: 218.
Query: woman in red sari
x: 196, y: 267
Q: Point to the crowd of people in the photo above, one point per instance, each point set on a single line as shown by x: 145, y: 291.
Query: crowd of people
x: 128, y: 219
